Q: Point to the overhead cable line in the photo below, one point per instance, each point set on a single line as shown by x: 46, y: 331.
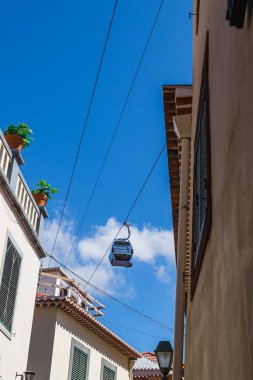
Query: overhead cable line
x: 116, y: 128
x: 146, y: 317
x: 133, y: 330
x: 108, y: 295
x: 129, y: 213
x: 85, y: 125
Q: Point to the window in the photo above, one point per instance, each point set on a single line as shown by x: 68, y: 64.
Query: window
x: 79, y: 361
x: 108, y: 370
x: 9, y: 284
x: 79, y: 365
x: 108, y: 373
x: 202, y: 205
x: 236, y: 12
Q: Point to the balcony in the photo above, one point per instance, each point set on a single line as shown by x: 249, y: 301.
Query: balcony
x: 11, y: 176
x: 54, y: 284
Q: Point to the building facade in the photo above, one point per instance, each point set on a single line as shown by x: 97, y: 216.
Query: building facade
x: 68, y: 341
x: 211, y: 176
x: 20, y: 254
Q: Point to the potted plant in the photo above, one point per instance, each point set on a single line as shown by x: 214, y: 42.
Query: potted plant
x: 43, y: 192
x: 18, y: 137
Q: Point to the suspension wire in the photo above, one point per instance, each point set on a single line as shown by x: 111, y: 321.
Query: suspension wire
x: 87, y: 282
x: 133, y: 330
x: 116, y: 129
x: 128, y: 214
x: 108, y: 295
x: 85, y: 125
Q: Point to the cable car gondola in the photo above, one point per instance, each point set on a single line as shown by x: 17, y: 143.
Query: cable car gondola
x: 122, y: 251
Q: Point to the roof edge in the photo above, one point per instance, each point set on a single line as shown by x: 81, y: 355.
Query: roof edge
x: 76, y: 312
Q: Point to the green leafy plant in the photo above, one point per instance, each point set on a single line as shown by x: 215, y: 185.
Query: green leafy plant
x: 22, y: 130
x: 44, y: 188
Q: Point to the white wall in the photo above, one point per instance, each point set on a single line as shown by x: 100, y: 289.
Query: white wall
x: 14, y: 350
x: 66, y: 328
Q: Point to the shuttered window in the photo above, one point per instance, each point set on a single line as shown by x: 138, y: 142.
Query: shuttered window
x: 108, y: 373
x: 9, y: 284
x: 202, y: 202
x: 79, y: 364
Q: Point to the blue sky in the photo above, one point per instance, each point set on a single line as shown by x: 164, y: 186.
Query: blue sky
x: 50, y: 54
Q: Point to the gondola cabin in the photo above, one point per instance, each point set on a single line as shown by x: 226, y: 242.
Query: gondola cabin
x: 121, y: 253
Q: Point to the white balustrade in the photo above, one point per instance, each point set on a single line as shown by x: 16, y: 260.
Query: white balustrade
x: 26, y: 203
x: 4, y: 158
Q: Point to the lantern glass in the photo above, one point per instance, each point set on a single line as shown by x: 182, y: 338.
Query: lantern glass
x: 164, y: 359
x: 164, y: 353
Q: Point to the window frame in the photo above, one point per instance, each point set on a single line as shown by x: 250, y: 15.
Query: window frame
x: 207, y: 222
x: 236, y: 11
x: 82, y: 347
x: 9, y: 236
x: 106, y: 363
x: 197, y: 16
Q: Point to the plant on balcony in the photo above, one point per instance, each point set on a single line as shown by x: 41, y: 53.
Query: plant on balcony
x: 18, y: 137
x: 43, y: 192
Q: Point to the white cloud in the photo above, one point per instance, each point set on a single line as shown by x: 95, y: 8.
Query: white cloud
x: 162, y: 273
x: 150, y: 246
x: 64, y: 240
x: 148, y: 243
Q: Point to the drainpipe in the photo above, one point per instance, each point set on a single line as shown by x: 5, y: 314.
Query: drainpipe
x: 182, y: 128
x: 131, y: 363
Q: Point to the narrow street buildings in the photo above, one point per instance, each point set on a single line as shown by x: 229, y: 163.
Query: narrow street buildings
x: 20, y: 254
x: 209, y: 130
x: 55, y: 335
x: 68, y: 341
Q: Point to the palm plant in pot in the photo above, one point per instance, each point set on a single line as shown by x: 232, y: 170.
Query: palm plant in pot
x: 18, y: 137
x: 43, y: 192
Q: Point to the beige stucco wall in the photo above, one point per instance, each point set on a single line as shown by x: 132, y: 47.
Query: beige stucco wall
x: 53, y: 331
x: 14, y: 350
x: 219, y: 336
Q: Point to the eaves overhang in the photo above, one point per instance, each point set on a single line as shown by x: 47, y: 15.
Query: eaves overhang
x: 177, y: 101
x: 76, y: 312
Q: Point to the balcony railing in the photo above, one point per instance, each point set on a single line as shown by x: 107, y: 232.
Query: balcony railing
x: 27, y: 203
x: 9, y: 166
x: 5, y: 158
x: 55, y: 285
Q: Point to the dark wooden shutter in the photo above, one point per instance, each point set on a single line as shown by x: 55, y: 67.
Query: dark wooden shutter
x: 79, y: 365
x: 108, y: 373
x: 9, y: 283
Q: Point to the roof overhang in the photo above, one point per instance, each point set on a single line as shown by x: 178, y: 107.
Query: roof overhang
x: 71, y: 308
x: 177, y: 101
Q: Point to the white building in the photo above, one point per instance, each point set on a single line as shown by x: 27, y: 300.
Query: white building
x: 68, y: 342
x: 21, y: 224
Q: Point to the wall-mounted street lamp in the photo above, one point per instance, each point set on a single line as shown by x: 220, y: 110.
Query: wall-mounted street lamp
x: 164, y: 354
x: 27, y: 375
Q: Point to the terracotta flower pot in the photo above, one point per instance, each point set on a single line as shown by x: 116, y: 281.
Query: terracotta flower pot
x: 41, y: 199
x: 15, y: 141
